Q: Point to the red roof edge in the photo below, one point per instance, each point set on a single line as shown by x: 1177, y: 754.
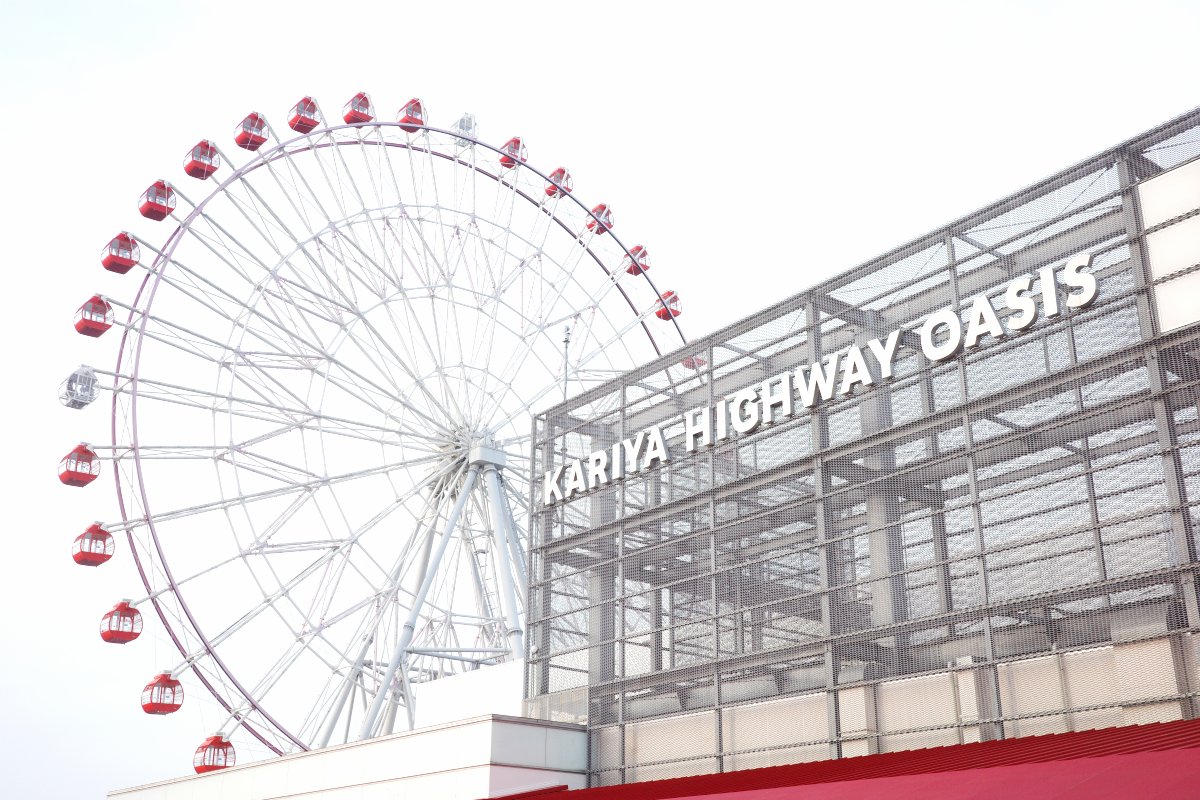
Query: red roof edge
x: 1023, y: 750
x: 562, y: 787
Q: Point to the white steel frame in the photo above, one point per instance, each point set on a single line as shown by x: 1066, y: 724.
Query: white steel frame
x: 354, y: 290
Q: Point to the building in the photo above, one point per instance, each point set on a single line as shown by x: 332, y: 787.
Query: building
x: 949, y: 496
x: 486, y: 756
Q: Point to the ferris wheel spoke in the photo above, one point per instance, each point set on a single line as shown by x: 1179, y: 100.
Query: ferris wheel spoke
x: 304, y: 641
x: 224, y: 253
x: 324, y: 307
x: 436, y: 347
x: 182, y: 338
x: 340, y: 325
x: 508, y: 371
x: 375, y: 239
x: 296, y: 179
x: 339, y: 157
x: 275, y: 325
x: 261, y: 546
x: 335, y: 189
x: 379, y: 340
x: 503, y: 246
x: 329, y: 582
x: 603, y: 347
x: 374, y: 172
x: 438, y: 352
x: 276, y: 671
x: 446, y: 399
x: 228, y: 405
x: 225, y: 236
x: 335, y: 425
x: 259, y: 203
x: 496, y: 302
x: 484, y: 263
x: 440, y: 225
x: 326, y: 705
x: 427, y: 256
x: 284, y: 589
x: 254, y: 207
x: 257, y: 695
x: 618, y: 336
x: 383, y: 154
x: 350, y: 232
x: 485, y: 335
x: 179, y: 335
x: 361, y: 381
x: 246, y: 461
x: 378, y: 363
x: 386, y: 593
x: 311, y: 193
x: 269, y: 494
x: 520, y: 358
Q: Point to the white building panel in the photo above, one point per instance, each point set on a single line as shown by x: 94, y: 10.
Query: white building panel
x: 476, y: 758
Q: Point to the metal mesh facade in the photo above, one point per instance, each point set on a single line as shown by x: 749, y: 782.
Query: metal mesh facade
x: 999, y: 544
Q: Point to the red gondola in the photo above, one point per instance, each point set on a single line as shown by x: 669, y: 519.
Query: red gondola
x: 158, y: 201
x: 304, y: 116
x: 412, y: 116
x: 94, y: 317
x: 163, y: 695
x: 252, y: 132
x: 121, y: 625
x: 122, y: 253
x: 640, y: 261
x: 602, y: 220
x: 668, y: 307
x: 79, y: 467
x: 560, y: 183
x: 512, y: 152
x: 358, y: 109
x: 94, y: 546
x: 202, y: 160
x: 214, y: 753
x: 694, y: 362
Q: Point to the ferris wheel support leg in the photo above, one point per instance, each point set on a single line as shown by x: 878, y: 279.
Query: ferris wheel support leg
x: 501, y: 527
x: 394, y: 582
x: 514, y: 541
x: 410, y: 701
x: 410, y: 707
x: 351, y: 679
x: 389, y: 716
x: 406, y: 634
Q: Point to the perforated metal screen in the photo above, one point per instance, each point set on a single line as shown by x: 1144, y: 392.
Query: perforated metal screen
x: 1002, y: 543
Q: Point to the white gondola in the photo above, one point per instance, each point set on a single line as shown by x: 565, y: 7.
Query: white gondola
x: 79, y: 389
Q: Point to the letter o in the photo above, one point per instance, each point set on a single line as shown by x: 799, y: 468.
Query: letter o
x: 948, y: 318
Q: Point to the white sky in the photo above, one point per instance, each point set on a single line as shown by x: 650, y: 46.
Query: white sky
x: 755, y: 148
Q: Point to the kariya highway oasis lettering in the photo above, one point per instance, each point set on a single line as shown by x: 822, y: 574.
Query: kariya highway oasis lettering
x: 942, y: 335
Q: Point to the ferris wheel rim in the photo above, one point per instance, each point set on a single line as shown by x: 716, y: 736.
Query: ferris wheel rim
x: 152, y: 280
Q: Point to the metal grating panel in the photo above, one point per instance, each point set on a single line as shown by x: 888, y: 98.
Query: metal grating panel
x: 1002, y: 543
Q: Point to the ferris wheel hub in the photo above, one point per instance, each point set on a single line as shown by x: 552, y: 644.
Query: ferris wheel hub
x: 485, y: 452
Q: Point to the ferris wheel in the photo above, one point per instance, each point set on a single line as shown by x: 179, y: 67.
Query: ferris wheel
x: 322, y: 405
